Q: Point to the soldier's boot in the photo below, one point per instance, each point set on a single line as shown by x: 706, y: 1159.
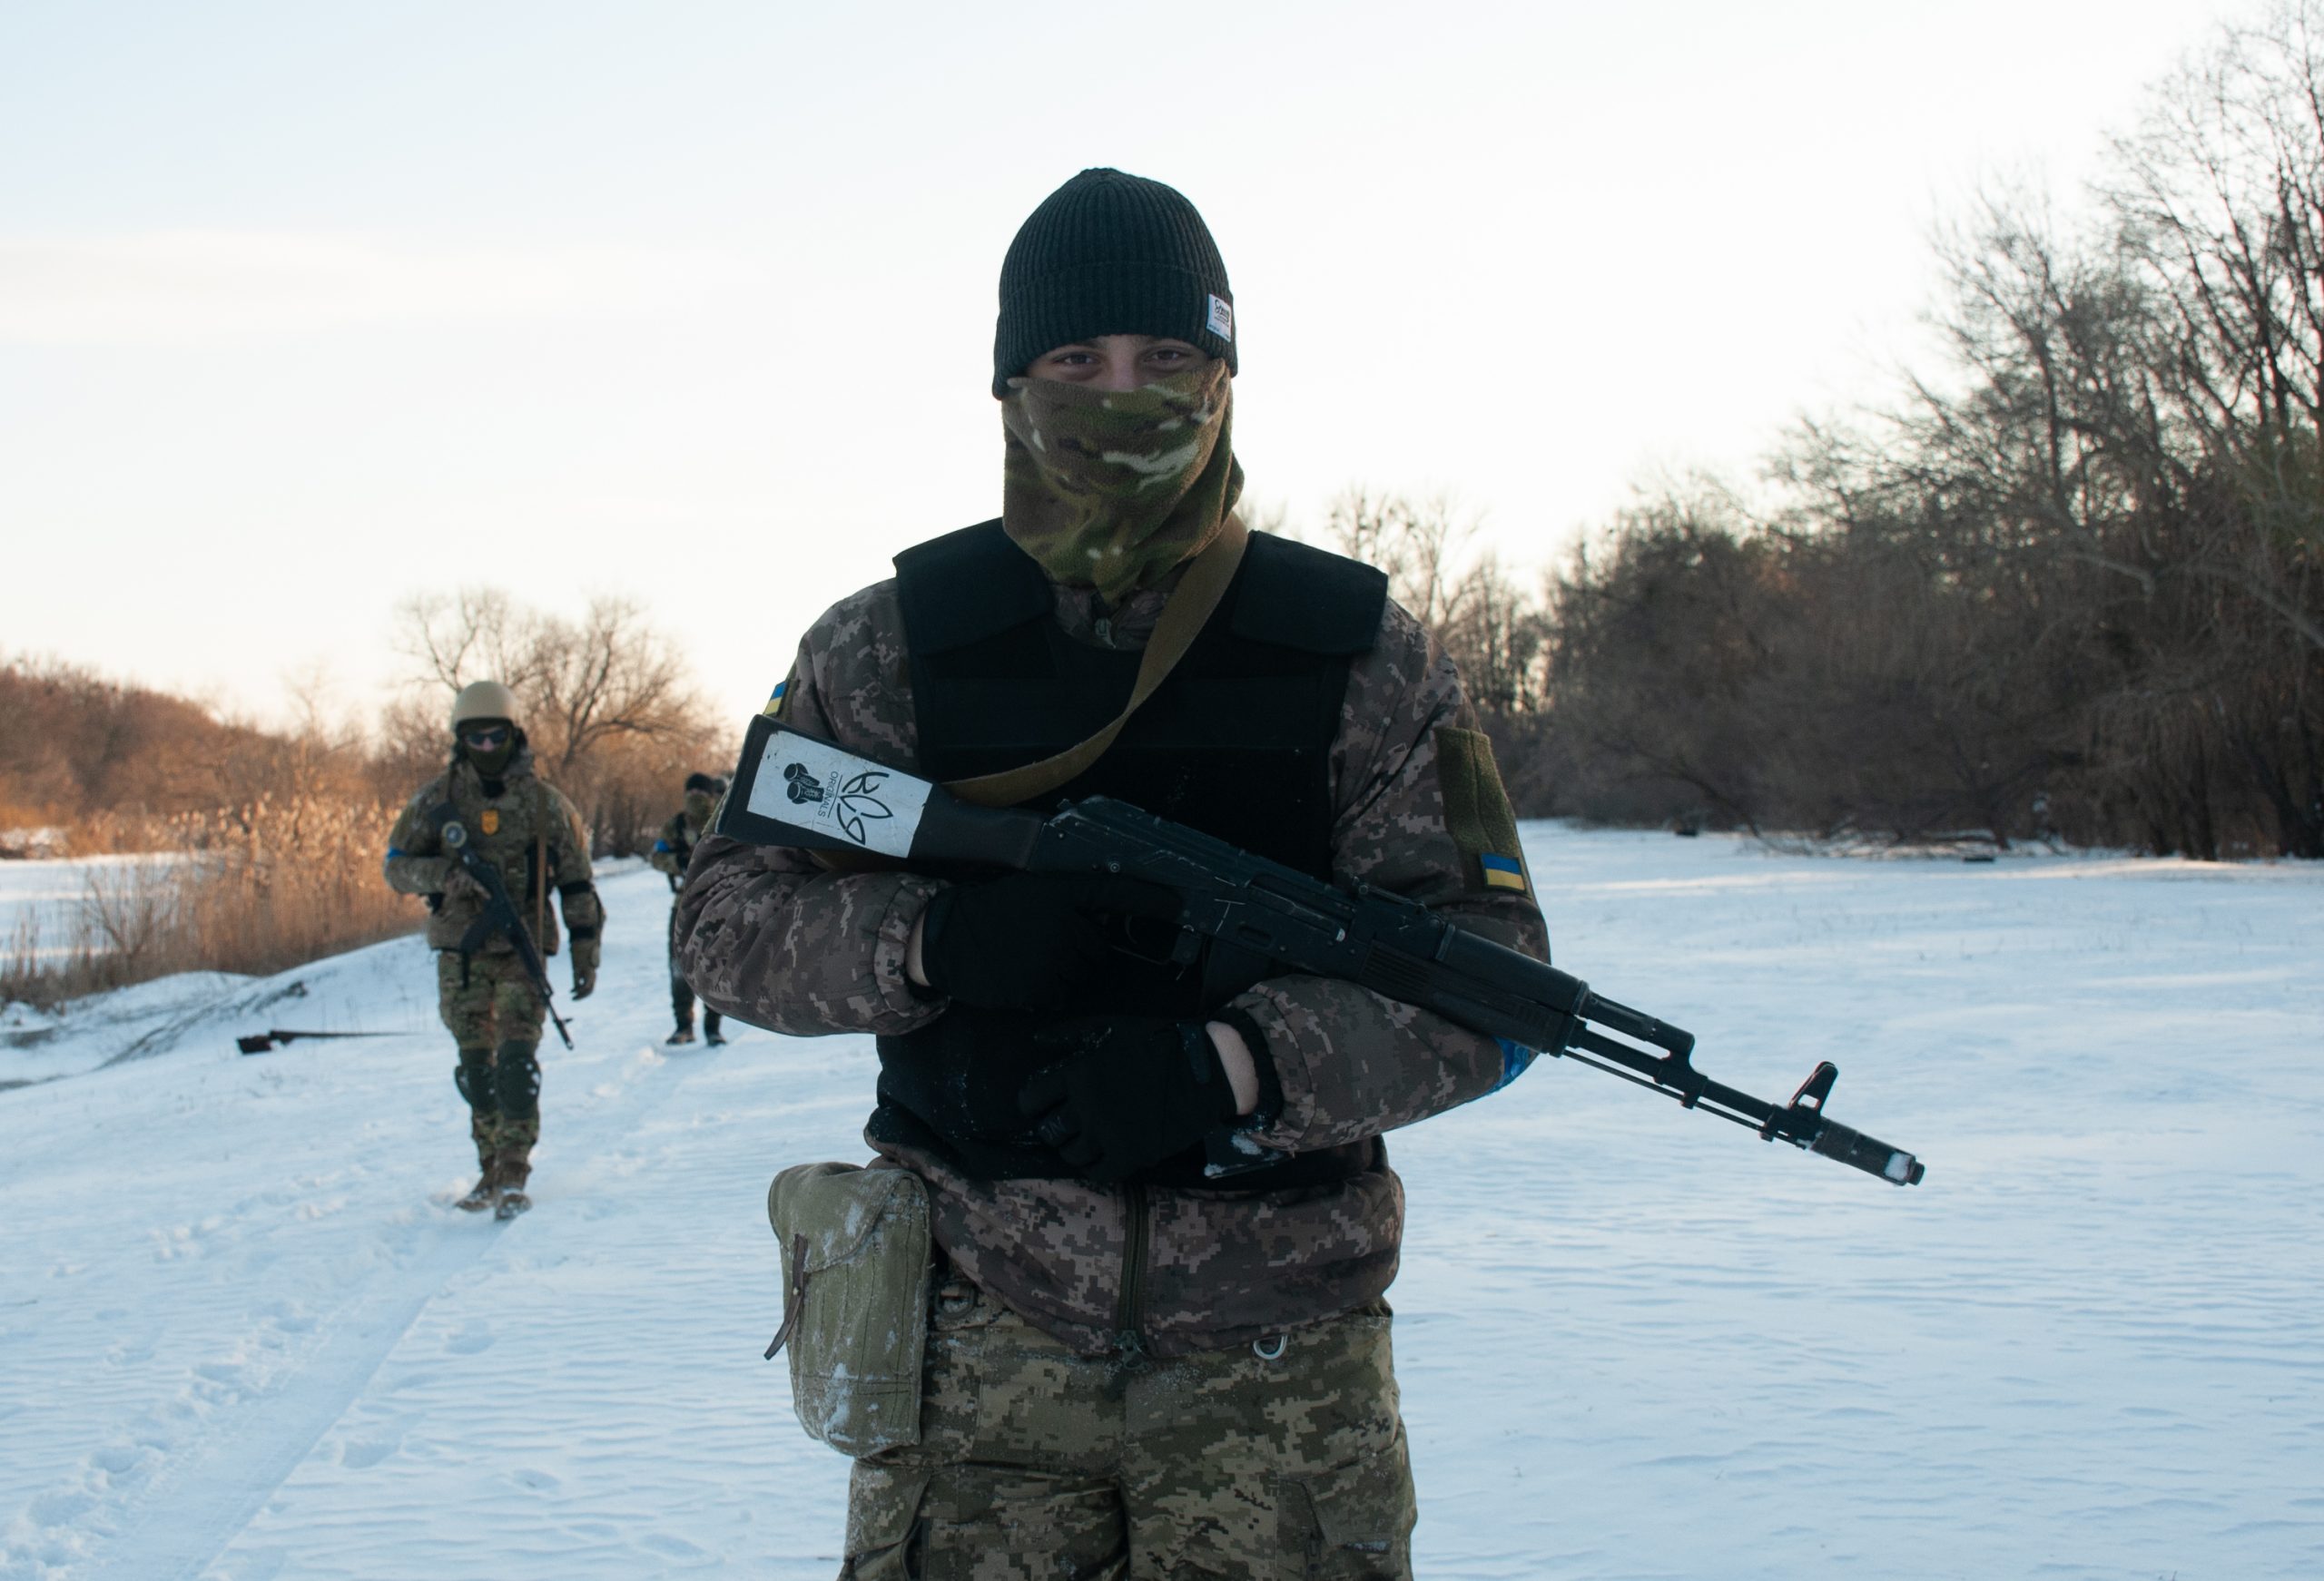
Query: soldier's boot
x: 516, y: 1083
x: 685, y: 1034
x: 682, y: 1008
x: 473, y: 1076
x: 710, y: 1033
x: 512, y: 1170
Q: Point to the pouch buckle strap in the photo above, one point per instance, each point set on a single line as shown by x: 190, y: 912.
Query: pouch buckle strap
x: 794, y: 1300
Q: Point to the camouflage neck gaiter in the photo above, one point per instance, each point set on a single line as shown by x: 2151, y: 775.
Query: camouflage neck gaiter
x: 1111, y: 488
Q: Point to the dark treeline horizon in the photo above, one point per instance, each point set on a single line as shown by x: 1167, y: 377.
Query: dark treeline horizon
x: 2066, y: 587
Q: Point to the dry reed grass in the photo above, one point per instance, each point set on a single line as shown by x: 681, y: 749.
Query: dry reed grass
x: 254, y: 889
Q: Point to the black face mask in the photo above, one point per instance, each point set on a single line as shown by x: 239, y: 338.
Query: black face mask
x: 491, y: 762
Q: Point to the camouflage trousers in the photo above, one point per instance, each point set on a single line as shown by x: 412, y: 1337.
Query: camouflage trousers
x: 682, y: 991
x: 1279, y: 1459
x: 495, y: 1014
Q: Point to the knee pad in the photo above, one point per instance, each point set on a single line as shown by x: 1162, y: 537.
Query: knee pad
x: 517, y: 1081
x: 473, y: 1076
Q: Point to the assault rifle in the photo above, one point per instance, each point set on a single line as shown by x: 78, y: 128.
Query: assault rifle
x: 261, y: 1042
x: 499, y: 915
x: 793, y: 790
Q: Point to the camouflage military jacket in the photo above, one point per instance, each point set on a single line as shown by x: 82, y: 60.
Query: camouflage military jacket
x: 673, y: 846
x: 769, y: 936
x: 529, y: 832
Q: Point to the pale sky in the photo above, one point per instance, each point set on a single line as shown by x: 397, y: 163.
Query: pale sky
x: 308, y: 308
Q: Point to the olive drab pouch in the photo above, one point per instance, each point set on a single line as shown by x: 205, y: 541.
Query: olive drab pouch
x: 856, y: 1265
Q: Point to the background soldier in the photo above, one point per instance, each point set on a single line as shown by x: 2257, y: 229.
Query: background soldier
x: 1132, y: 1368
x: 528, y: 832
x: 672, y: 850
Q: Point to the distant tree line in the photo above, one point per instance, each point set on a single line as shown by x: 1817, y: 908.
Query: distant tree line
x: 266, y: 842
x: 613, y: 716
x: 2071, y: 585
x: 75, y: 743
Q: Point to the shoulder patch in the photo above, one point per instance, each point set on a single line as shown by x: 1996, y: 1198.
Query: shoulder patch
x: 1476, y: 811
x: 1501, y: 872
x: 774, y: 708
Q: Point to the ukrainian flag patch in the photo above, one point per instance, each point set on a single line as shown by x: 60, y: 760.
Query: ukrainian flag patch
x: 1503, y: 872
x: 774, y: 698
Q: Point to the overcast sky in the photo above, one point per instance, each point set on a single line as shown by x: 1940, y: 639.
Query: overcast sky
x: 305, y: 309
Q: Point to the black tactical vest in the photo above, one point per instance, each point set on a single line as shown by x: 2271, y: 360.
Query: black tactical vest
x: 1236, y: 744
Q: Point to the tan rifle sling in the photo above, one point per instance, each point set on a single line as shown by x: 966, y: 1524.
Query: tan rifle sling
x: 1192, y: 604
x: 540, y: 862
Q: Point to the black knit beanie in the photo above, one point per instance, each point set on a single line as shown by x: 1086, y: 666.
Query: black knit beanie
x: 1110, y: 254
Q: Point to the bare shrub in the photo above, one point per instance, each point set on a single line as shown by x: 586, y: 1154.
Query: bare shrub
x: 252, y: 889
x: 1495, y: 627
x: 44, y: 975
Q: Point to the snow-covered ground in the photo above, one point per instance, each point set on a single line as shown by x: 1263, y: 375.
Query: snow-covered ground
x: 244, y: 1335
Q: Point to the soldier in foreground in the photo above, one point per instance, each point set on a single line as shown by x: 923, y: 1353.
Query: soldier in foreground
x: 672, y: 850
x: 528, y: 833
x: 1131, y: 1367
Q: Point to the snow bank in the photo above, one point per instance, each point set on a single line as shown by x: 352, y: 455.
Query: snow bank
x: 244, y: 1335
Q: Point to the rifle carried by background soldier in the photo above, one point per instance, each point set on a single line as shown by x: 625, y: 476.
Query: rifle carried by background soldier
x: 501, y: 915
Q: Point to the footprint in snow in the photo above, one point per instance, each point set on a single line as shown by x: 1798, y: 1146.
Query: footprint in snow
x: 362, y: 1454
x: 473, y: 1337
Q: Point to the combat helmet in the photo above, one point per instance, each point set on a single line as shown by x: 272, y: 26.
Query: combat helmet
x: 483, y: 699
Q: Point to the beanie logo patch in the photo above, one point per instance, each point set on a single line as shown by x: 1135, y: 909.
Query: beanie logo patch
x: 1222, y: 317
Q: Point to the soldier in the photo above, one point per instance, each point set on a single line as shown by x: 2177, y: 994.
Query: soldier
x: 672, y: 850
x: 526, y: 829
x: 1132, y: 1368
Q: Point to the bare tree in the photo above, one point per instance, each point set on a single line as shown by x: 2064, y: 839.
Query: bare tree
x: 476, y: 633
x: 609, y: 708
x: 583, y: 682
x: 1418, y: 542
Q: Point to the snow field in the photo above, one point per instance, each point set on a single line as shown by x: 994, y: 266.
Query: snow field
x: 243, y: 1334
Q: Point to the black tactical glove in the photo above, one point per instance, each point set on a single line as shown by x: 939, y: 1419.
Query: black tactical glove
x: 960, y: 1076
x: 1130, y: 1093
x: 1026, y: 941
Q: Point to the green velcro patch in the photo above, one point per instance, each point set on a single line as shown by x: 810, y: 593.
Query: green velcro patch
x: 1476, y: 811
